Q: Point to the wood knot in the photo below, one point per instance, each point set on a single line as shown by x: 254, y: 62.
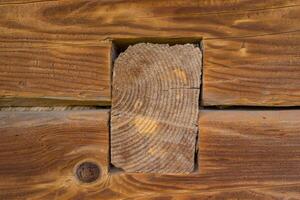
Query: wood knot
x: 88, y: 172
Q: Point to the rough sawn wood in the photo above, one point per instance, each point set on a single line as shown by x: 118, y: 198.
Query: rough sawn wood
x: 40, y: 151
x: 155, y: 108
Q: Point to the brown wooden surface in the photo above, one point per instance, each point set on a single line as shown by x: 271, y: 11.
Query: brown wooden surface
x: 156, y: 90
x: 258, y: 71
x: 39, y: 73
x: 242, y: 155
x: 251, y: 47
x: 58, y: 53
x: 39, y: 152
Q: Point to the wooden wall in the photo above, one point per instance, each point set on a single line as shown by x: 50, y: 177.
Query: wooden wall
x: 59, y: 53
x: 251, y: 47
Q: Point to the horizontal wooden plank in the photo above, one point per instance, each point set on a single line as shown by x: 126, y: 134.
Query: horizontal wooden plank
x: 242, y: 155
x: 258, y: 71
x: 33, y: 74
x: 243, y: 146
x: 40, y: 151
x: 93, y: 20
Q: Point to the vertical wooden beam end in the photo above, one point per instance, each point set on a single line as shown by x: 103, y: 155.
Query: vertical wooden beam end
x: 155, y: 102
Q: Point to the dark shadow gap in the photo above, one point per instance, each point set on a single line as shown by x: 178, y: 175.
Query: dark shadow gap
x: 196, y: 159
x: 114, y: 170
x: 249, y: 108
x: 52, y: 108
x: 121, y: 44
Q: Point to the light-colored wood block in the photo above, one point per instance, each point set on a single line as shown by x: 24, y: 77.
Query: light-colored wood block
x: 155, y: 108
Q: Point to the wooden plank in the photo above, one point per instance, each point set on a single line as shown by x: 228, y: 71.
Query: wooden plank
x: 54, y: 74
x: 241, y: 38
x: 242, y: 155
x: 93, y: 20
x: 40, y: 151
x: 261, y: 71
x: 250, y: 145
x: 155, y: 99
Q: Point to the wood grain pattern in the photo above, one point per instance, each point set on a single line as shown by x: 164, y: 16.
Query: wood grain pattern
x: 241, y: 38
x: 54, y: 74
x: 250, y: 145
x: 84, y: 20
x: 58, y: 53
x: 261, y: 71
x: 243, y: 155
x: 155, y: 99
x: 39, y: 152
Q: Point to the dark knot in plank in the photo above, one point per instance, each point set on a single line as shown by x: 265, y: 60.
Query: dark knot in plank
x: 88, y: 172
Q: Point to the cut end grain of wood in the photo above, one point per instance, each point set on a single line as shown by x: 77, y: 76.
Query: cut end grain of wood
x: 155, y: 99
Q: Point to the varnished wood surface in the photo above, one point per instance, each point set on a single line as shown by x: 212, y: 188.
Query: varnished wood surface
x: 58, y: 53
x: 251, y: 47
x: 155, y: 100
x: 38, y: 73
x: 39, y: 153
x: 257, y: 71
x: 84, y: 20
x: 250, y: 145
x: 242, y: 155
